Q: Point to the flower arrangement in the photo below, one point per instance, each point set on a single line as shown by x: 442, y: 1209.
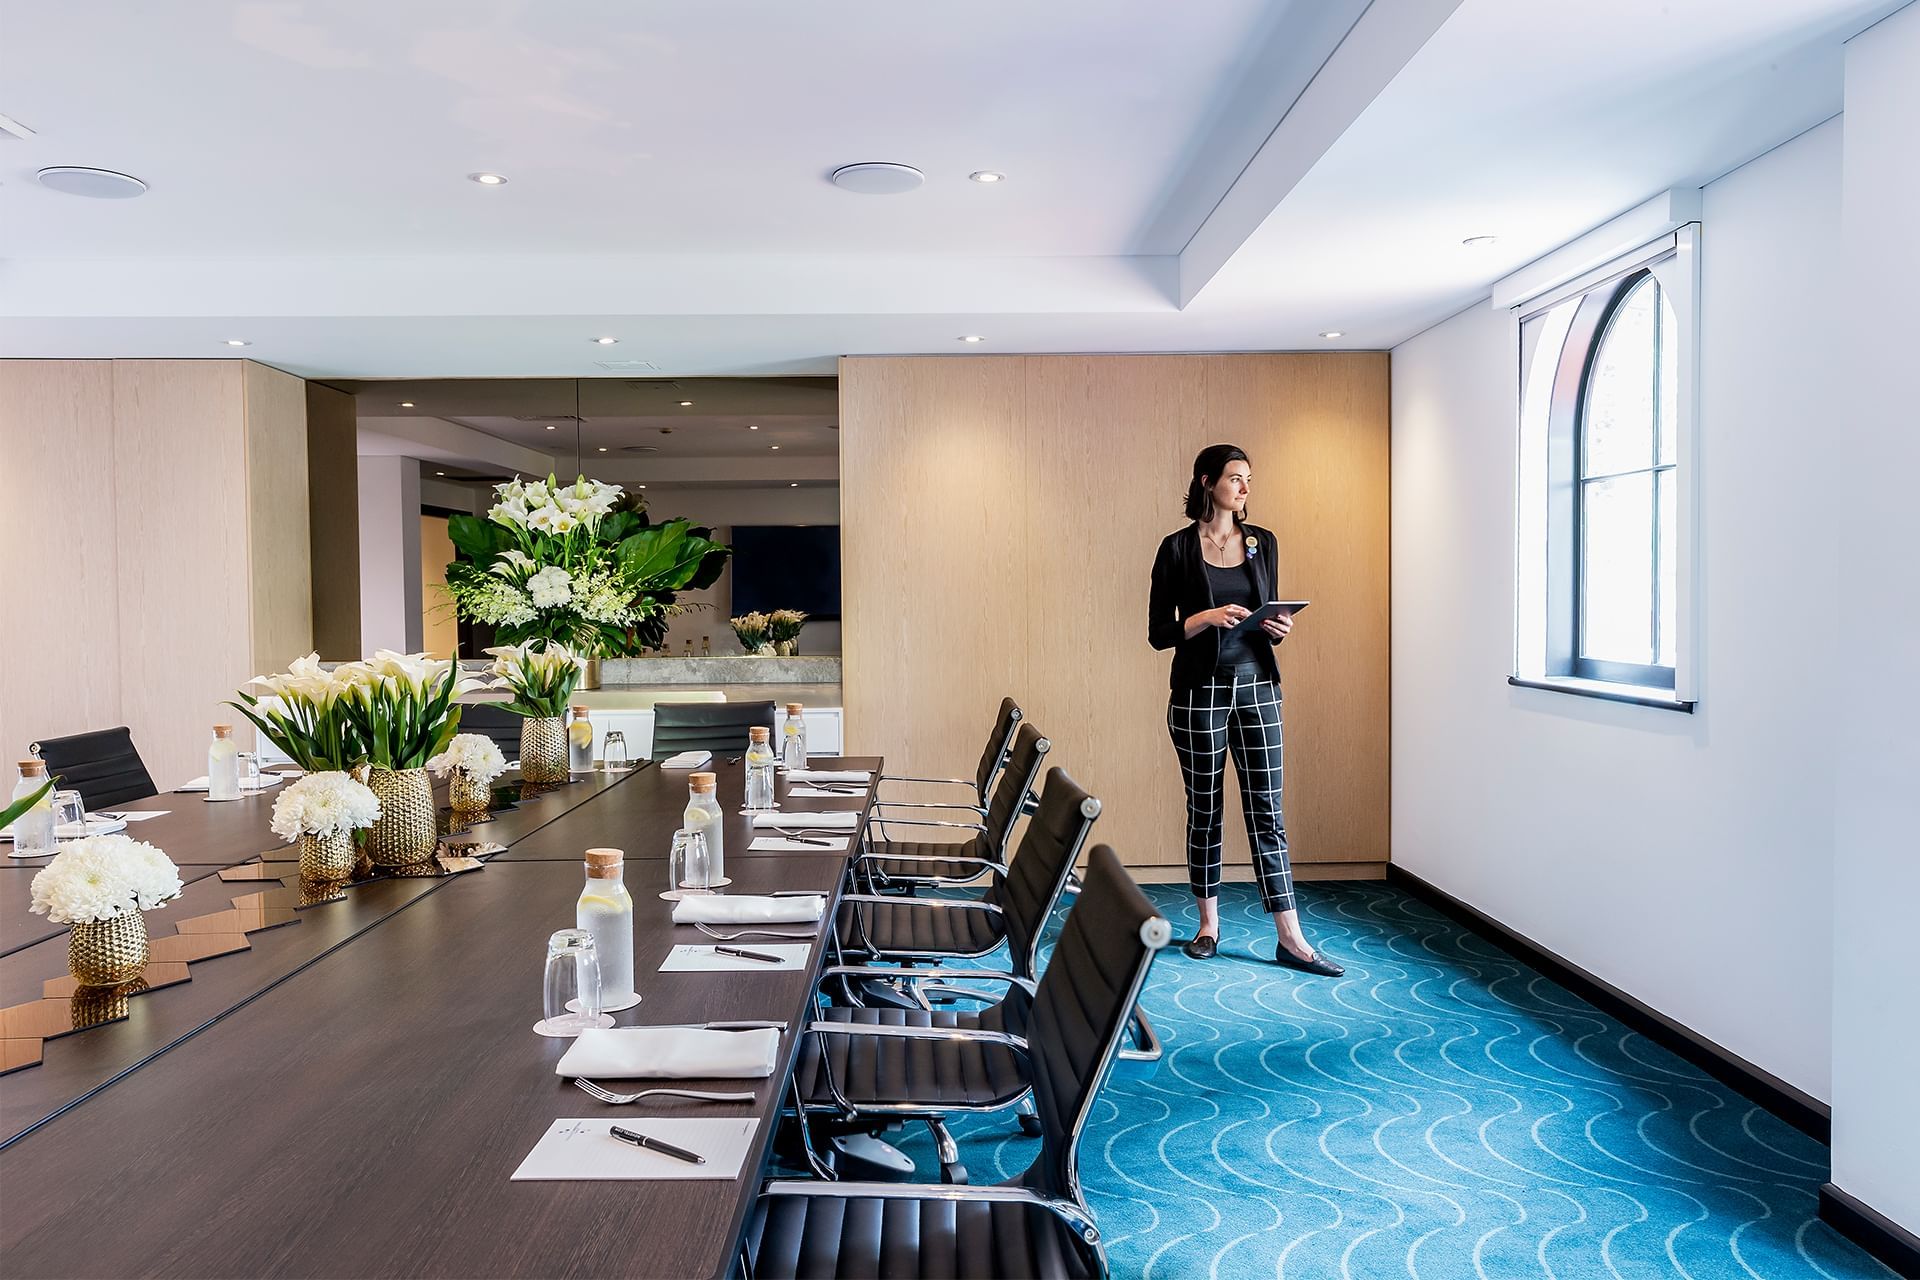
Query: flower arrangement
x: 575, y: 563
x: 401, y: 706
x: 102, y: 878
x: 783, y: 628
x: 324, y: 805
x: 474, y: 754
x: 751, y: 629
x: 540, y: 675
x: 304, y: 713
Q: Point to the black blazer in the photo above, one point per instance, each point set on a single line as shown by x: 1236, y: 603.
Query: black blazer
x: 1180, y: 590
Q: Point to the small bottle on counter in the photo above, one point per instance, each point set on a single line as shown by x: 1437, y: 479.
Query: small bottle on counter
x: 759, y: 768
x: 223, y: 765
x: 703, y: 815
x: 33, y: 830
x: 605, y: 910
x: 793, y: 738
x: 580, y: 741
x: 706, y: 646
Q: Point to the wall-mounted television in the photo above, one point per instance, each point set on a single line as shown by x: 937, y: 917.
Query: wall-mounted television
x: 784, y: 566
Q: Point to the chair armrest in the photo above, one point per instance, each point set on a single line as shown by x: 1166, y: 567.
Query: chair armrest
x: 942, y: 904
x: 906, y: 971
x: 891, y: 1032
x: 881, y: 820
x: 986, y: 864
x: 931, y: 782
x: 930, y: 804
x: 1066, y: 1210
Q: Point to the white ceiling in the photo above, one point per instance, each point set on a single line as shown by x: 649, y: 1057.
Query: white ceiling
x: 1227, y: 175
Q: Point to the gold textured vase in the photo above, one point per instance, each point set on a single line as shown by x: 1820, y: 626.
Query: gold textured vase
x: 106, y: 953
x: 91, y: 1006
x: 328, y: 857
x: 543, y: 749
x: 589, y: 673
x: 405, y: 832
x: 467, y: 794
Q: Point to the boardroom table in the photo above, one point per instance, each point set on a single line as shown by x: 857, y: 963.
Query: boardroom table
x: 359, y: 1104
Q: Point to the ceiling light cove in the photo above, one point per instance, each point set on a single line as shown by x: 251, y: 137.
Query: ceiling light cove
x: 487, y: 179
x: 876, y: 178
x: 987, y: 175
x: 84, y: 180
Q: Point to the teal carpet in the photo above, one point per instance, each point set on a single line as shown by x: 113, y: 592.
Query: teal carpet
x: 1440, y: 1112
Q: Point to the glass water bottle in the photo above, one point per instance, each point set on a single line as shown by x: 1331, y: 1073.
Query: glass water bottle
x: 223, y: 765
x: 580, y: 742
x: 33, y: 830
x: 605, y: 911
x: 703, y: 815
x: 759, y: 769
x: 793, y: 738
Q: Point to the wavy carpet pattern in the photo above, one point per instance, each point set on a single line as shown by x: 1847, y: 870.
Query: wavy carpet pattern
x: 1443, y: 1111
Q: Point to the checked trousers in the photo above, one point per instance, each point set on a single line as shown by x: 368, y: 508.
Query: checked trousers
x: 1237, y: 710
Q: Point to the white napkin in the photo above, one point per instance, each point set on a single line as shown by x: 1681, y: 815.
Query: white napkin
x: 815, y: 793
x: 687, y: 760
x: 748, y: 909
x: 830, y: 775
x: 266, y: 780
x: 95, y: 825
x: 810, y: 844
x: 670, y: 1053
x: 846, y: 820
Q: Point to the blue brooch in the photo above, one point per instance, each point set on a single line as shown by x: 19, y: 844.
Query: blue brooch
x: 1253, y: 545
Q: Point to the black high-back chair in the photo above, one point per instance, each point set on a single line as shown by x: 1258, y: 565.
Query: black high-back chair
x: 494, y: 721
x: 102, y: 766
x: 705, y: 726
x: 1038, y: 1224
x: 992, y: 760
x: 909, y: 864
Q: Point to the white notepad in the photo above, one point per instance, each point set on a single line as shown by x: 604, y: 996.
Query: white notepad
x: 697, y: 958
x: 815, y: 793
x: 784, y: 844
x: 583, y: 1150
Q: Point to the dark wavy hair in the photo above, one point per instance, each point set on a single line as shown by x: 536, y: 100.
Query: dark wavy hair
x: 1207, y: 466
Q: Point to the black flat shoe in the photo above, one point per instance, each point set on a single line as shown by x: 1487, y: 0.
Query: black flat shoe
x: 1201, y: 948
x: 1319, y: 964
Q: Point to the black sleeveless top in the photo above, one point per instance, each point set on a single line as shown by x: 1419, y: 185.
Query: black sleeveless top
x: 1234, y: 586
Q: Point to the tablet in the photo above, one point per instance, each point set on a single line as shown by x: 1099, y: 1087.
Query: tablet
x: 1271, y: 609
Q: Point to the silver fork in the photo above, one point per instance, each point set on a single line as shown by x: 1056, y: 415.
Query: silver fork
x: 620, y: 1099
x: 741, y: 933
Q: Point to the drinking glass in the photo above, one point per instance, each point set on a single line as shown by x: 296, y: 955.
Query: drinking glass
x: 248, y: 764
x: 613, y: 751
x: 69, y: 815
x: 572, y: 986
x: 689, y: 866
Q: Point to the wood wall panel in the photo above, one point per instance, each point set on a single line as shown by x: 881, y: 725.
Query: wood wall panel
x: 1085, y: 458
x: 59, y: 620
x: 333, y: 521
x: 280, y: 554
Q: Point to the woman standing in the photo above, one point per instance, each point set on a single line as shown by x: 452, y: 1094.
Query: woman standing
x: 1207, y: 578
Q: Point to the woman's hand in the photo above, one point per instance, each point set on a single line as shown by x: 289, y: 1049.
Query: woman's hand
x: 1277, y: 627
x: 1227, y: 615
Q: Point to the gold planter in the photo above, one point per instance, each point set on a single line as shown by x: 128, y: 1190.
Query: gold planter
x: 405, y: 832
x: 92, y: 1006
x: 543, y: 749
x: 328, y: 857
x: 589, y: 673
x: 468, y: 794
x: 786, y: 648
x: 106, y: 953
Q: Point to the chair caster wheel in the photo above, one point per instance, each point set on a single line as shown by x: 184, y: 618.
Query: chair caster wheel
x: 954, y: 1174
x: 1030, y: 1125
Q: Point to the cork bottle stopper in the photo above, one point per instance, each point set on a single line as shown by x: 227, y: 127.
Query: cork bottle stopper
x: 223, y: 731
x: 580, y: 709
x: 757, y: 733
x: 33, y: 768
x: 701, y: 783
x: 795, y: 708
x: 604, y: 864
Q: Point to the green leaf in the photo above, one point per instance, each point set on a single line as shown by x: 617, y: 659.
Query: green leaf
x: 24, y: 803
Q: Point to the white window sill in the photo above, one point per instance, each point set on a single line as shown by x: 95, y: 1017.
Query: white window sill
x: 1638, y: 695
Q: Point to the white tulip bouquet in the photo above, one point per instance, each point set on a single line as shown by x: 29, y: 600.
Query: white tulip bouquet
x: 474, y: 754
x: 102, y: 878
x: 324, y: 805
x: 540, y: 675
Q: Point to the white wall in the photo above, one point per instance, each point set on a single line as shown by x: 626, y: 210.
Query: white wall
x: 720, y: 509
x: 1685, y: 859
x: 1873, y: 439
x: 389, y: 554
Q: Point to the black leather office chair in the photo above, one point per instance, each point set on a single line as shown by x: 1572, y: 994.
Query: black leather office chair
x: 1014, y: 909
x: 494, y: 721
x: 705, y: 726
x: 102, y: 766
x: 905, y: 864
x: 1038, y: 1224
x: 992, y: 760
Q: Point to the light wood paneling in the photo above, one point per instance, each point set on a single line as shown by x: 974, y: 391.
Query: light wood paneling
x: 280, y: 551
x: 999, y: 520
x: 60, y: 621
x: 333, y: 521
x: 439, y: 626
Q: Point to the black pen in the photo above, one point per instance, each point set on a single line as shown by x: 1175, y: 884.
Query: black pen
x: 654, y: 1144
x: 748, y: 955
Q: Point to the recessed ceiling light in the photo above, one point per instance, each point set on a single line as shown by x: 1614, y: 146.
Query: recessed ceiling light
x: 686, y: 404
x: 753, y: 426
x: 1480, y: 242
x: 238, y: 342
x: 552, y: 427
x: 971, y: 337
x: 487, y: 179
x: 794, y: 485
x: 606, y: 342
x: 1333, y: 333
x: 773, y: 446
x: 639, y: 486
x: 406, y: 404
x: 439, y: 473
x: 876, y: 178
x: 84, y: 180
x: 987, y: 175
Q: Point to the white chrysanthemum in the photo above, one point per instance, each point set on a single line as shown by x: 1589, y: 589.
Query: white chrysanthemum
x: 550, y: 588
x: 324, y: 804
x: 475, y: 754
x: 103, y: 877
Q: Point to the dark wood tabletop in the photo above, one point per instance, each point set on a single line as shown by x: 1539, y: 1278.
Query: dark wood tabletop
x: 362, y: 1115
